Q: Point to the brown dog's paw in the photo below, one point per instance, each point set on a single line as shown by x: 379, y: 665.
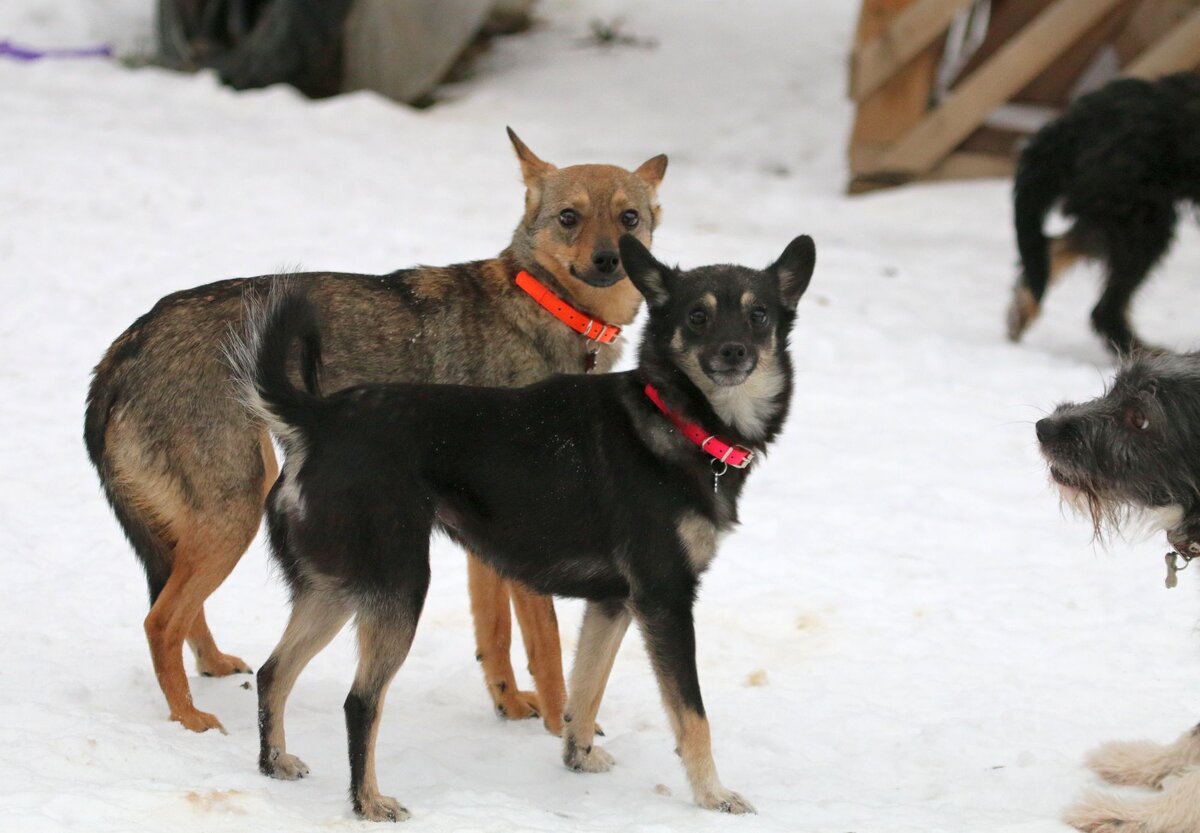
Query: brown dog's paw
x: 381, y: 808
x: 512, y: 704
x: 222, y: 665
x: 198, y: 721
x: 1102, y: 813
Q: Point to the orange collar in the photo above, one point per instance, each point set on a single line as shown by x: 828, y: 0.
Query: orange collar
x: 585, y: 325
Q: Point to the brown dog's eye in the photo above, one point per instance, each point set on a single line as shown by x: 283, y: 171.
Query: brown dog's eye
x: 567, y: 217
x: 698, y: 317
x: 630, y: 218
x: 1136, y: 418
x: 758, y: 316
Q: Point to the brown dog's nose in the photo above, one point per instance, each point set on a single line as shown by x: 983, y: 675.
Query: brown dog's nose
x: 606, y: 261
x: 1048, y: 430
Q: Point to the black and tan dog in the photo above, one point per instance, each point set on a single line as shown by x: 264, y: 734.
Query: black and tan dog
x: 1120, y: 161
x: 1135, y: 453
x: 614, y: 489
x: 186, y: 470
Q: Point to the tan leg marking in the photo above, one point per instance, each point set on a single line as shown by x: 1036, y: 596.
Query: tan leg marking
x: 600, y: 637
x: 382, y: 649
x: 316, y: 619
x: 1175, y: 810
x: 1024, y: 309
x: 539, y: 630
x: 493, y: 641
x: 693, y: 743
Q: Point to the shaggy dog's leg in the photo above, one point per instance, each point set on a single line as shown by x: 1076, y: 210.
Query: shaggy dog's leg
x: 1175, y: 810
x: 1141, y: 763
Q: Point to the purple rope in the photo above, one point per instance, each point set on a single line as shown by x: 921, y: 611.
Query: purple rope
x: 8, y: 49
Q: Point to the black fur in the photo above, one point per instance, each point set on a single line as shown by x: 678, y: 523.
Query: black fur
x: 1137, y: 447
x: 575, y: 486
x: 1119, y: 160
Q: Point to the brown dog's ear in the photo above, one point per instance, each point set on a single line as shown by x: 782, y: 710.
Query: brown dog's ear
x: 652, y: 170
x: 794, y: 269
x: 532, y: 168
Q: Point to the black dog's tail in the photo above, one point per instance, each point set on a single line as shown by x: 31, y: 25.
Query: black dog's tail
x: 1041, y: 175
x: 259, y: 356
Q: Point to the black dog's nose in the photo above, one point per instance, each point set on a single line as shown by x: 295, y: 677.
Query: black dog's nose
x: 1048, y: 430
x: 606, y: 261
x: 733, y: 352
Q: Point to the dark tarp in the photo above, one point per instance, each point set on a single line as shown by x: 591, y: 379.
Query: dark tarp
x: 253, y: 43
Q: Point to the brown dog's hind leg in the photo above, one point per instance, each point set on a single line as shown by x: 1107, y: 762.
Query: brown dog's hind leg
x: 493, y: 641
x: 539, y: 631
x: 209, y: 660
x: 205, y: 553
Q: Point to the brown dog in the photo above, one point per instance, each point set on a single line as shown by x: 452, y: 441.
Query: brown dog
x: 186, y: 470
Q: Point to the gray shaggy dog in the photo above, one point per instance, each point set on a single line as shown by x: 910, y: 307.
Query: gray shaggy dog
x: 1135, y: 451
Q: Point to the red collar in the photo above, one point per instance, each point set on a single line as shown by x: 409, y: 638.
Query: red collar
x: 723, y: 452
x: 581, y: 323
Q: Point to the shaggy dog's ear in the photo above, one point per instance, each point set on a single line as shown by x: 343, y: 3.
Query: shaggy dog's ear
x: 794, y: 269
x: 652, y: 278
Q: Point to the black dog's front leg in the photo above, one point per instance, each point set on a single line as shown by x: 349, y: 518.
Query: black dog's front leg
x: 671, y: 642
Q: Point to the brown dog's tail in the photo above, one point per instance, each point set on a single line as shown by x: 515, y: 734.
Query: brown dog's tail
x: 104, y: 396
x: 259, y: 356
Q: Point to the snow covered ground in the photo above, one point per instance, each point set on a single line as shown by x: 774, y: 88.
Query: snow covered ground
x: 905, y: 635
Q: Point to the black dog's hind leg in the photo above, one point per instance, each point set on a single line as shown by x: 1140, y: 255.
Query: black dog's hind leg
x: 317, y: 616
x: 1132, y: 247
x: 670, y: 636
x: 386, y: 626
x: 604, y: 626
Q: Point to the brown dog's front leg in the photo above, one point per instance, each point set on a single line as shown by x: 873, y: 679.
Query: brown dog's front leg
x: 539, y: 630
x: 493, y: 641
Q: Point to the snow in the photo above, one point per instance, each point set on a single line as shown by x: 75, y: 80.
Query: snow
x: 905, y: 635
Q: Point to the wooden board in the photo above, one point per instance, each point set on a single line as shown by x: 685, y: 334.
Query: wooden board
x: 1011, y: 67
x: 902, y: 39
x: 1178, y: 51
x: 889, y: 112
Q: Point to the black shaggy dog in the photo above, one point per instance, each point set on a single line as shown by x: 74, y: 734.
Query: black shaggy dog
x: 1119, y: 161
x: 614, y: 489
x: 1136, y: 451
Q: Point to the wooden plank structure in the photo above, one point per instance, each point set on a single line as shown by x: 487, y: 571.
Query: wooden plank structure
x: 1035, y: 52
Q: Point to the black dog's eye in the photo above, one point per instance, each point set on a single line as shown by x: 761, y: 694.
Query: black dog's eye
x: 758, y: 316
x: 1135, y: 417
x: 630, y: 218
x: 698, y: 317
x: 568, y: 217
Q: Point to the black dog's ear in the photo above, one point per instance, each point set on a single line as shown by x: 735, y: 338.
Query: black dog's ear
x: 794, y: 269
x: 652, y: 278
